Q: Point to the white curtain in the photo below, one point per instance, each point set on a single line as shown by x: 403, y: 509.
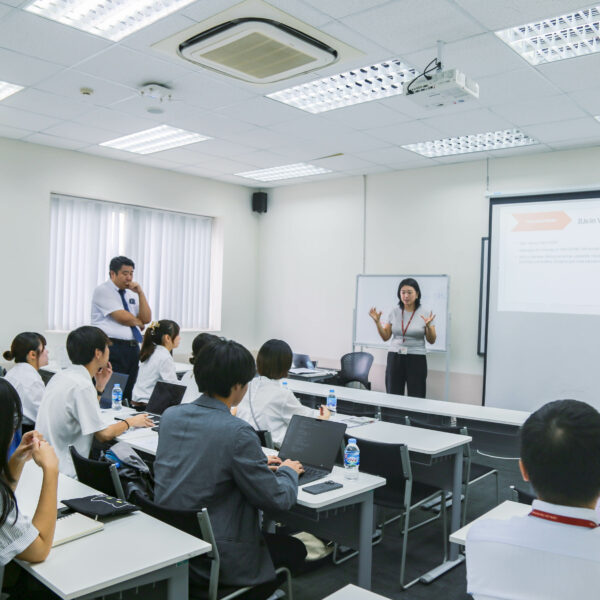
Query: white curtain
x: 171, y: 251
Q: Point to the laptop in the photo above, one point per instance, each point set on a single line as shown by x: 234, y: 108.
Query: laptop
x: 106, y: 398
x: 302, y: 361
x: 315, y: 443
x: 163, y: 396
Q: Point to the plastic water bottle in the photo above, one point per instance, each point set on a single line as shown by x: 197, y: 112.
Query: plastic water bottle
x: 117, y: 397
x: 284, y: 385
x: 351, y: 460
x: 332, y: 401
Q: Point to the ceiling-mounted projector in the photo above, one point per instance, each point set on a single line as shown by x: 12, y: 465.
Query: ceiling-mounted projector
x: 441, y: 88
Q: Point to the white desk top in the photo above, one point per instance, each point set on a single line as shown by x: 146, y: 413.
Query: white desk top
x: 425, y: 441
x: 353, y: 592
x: 54, y: 366
x: 500, y: 416
x: 502, y: 512
x: 127, y: 547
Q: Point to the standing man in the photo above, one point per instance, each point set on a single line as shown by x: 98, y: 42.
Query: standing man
x: 120, y: 309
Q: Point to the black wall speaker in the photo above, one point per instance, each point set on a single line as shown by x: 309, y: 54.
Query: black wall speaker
x: 259, y: 202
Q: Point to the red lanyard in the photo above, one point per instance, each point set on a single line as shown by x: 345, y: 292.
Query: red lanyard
x: 407, y: 325
x: 561, y: 519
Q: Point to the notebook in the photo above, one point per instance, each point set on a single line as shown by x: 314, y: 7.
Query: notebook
x: 315, y: 443
x: 74, y: 526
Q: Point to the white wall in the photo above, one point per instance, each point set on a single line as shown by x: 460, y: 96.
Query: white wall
x: 29, y: 173
x: 425, y: 221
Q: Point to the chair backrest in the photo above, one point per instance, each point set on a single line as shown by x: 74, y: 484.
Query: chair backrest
x: 521, y: 495
x: 392, y: 462
x: 356, y: 367
x: 265, y: 437
x: 102, y: 476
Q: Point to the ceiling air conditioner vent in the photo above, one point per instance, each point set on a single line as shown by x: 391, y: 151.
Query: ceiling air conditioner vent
x: 257, y: 50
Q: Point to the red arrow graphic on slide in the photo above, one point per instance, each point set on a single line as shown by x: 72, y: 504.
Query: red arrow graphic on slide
x: 541, y: 221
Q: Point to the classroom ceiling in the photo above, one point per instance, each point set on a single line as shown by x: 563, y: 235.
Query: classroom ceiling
x: 554, y: 103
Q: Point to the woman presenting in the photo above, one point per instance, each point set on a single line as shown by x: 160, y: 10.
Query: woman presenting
x: 408, y: 325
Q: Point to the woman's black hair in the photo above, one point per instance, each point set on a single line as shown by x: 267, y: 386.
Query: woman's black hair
x: 409, y: 281
x: 10, y: 420
x: 274, y: 359
x: 201, y: 340
x: 23, y: 344
x: 154, y: 335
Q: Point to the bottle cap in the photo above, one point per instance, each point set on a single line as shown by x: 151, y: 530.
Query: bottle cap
x: 332, y: 391
x: 117, y: 385
x: 352, y: 441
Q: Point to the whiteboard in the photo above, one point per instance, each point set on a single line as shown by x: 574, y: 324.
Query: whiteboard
x: 381, y: 291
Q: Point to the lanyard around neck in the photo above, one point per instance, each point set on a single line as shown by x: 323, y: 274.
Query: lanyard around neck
x: 540, y: 514
x: 405, y: 329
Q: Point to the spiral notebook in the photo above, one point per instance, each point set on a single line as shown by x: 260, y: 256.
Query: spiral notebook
x: 74, y: 526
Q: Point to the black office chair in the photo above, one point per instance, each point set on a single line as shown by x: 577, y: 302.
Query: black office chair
x: 355, y: 368
x: 491, y: 442
x: 102, y: 476
x: 519, y: 494
x: 197, y: 523
x: 266, y: 440
x: 472, y: 472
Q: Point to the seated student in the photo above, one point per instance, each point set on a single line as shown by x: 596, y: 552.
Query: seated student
x: 156, y: 360
x: 554, y: 552
x: 20, y: 536
x: 29, y: 352
x: 192, y: 392
x: 268, y: 405
x: 206, y: 457
x: 70, y: 411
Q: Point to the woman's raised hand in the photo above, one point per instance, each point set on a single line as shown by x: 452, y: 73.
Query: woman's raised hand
x: 428, y: 319
x: 374, y: 314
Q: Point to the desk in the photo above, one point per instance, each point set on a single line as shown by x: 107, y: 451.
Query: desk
x: 353, y: 592
x: 427, y: 447
x: 344, y: 515
x: 54, y: 367
x: 319, y: 376
x: 502, y: 512
x: 130, y: 551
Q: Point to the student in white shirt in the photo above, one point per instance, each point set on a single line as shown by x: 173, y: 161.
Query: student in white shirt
x: 26, y: 538
x: 192, y: 392
x: 156, y: 359
x: 70, y: 411
x: 268, y: 405
x: 29, y: 352
x: 554, y: 552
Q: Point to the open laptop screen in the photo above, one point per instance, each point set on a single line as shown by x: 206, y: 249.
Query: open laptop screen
x: 312, y: 441
x: 164, y: 395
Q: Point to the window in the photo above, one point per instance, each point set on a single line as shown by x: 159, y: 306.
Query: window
x: 171, y: 251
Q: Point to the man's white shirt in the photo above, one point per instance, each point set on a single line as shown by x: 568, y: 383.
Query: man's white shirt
x: 529, y: 558
x: 106, y: 300
x: 30, y: 387
x: 70, y: 415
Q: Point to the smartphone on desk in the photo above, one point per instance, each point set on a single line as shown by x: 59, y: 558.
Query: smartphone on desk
x: 321, y: 488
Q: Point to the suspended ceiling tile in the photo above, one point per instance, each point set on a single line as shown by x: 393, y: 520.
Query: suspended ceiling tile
x: 574, y: 73
x: 479, y: 120
x: 25, y: 70
x: 407, y: 133
x: 565, y: 130
x: 342, y: 8
x: 55, y: 141
x: 47, y: 104
x: 367, y: 115
x: 112, y: 120
x: 13, y: 132
x: 530, y: 112
x: 82, y: 133
x: 261, y: 111
x: 24, y: 120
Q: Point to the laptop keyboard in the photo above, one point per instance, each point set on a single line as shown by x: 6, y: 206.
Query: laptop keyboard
x: 311, y: 474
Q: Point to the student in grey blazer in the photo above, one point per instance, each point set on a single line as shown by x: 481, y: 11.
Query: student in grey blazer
x: 207, y: 457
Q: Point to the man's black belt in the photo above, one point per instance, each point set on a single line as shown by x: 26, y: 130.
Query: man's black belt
x: 124, y: 342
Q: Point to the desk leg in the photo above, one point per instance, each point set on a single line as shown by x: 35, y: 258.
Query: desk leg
x: 455, y: 558
x: 178, y: 582
x: 365, y: 542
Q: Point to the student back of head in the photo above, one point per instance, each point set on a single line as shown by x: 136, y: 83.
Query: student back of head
x: 269, y: 405
x: 156, y: 359
x: 192, y: 392
x: 29, y: 352
x: 555, y: 551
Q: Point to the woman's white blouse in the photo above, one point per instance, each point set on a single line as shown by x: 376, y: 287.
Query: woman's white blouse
x: 30, y: 387
x: 161, y: 366
x: 267, y: 405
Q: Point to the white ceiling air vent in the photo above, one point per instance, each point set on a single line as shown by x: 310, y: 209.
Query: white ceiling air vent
x: 257, y: 50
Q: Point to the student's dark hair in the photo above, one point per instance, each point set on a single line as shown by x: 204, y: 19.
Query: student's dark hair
x: 10, y: 420
x: 413, y: 284
x: 274, y: 359
x: 199, y: 342
x: 154, y: 335
x: 23, y: 344
x: 222, y: 364
x: 120, y: 261
x: 560, y: 450
x: 83, y: 342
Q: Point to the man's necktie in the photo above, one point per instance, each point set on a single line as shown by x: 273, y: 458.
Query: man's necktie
x: 136, y: 332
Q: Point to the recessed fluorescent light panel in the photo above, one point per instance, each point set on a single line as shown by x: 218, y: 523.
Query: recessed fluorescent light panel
x: 110, y: 19
x: 558, y: 38
x: 372, y: 82
x: 478, y: 142
x: 284, y: 172
x: 8, y: 89
x: 155, y: 140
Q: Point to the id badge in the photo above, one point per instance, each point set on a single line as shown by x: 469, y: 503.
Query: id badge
x: 403, y: 350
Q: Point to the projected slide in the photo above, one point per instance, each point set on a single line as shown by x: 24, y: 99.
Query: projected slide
x: 549, y: 257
